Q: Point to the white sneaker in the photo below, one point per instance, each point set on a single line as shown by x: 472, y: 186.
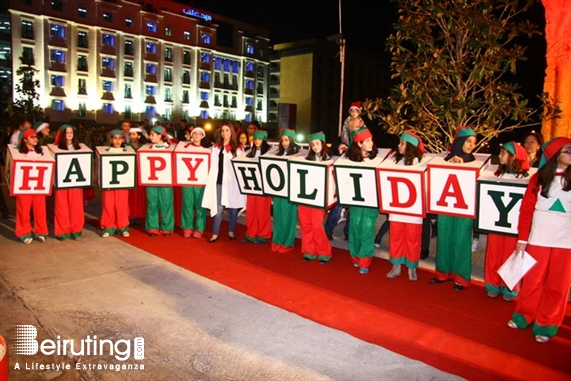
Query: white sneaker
x: 105, y: 235
x: 41, y: 238
x: 28, y: 240
x: 541, y: 339
x: 475, y: 243
x: 126, y: 234
x: 512, y: 324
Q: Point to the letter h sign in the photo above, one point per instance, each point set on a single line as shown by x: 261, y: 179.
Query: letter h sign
x: 29, y: 175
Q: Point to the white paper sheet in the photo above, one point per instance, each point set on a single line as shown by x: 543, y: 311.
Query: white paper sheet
x: 515, y: 267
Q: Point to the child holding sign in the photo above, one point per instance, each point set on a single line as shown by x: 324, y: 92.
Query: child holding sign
x: 193, y: 215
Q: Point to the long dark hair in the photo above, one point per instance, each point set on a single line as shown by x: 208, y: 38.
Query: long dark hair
x: 513, y: 166
x: 292, y: 149
x: 354, y: 152
x: 325, y: 154
x: 24, y: 147
x: 263, y: 149
x: 410, y: 153
x: 233, y: 142
x: 62, y: 144
x: 547, y: 174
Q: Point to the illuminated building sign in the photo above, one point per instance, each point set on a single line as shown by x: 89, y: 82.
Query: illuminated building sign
x: 197, y: 14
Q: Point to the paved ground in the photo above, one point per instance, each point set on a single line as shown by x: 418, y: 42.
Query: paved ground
x: 193, y: 328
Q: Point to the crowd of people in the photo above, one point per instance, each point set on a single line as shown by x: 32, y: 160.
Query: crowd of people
x: 543, y: 231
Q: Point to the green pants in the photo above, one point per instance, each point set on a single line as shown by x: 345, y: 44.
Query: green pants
x: 191, y: 204
x: 362, y: 231
x: 160, y: 214
x: 454, y: 248
x: 285, y: 222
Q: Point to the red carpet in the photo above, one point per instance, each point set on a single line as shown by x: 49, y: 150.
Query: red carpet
x: 464, y: 333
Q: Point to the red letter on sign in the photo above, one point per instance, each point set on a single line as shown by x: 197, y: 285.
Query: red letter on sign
x: 156, y: 164
x: 27, y: 178
x: 191, y: 168
x: 452, y: 189
x: 394, y: 190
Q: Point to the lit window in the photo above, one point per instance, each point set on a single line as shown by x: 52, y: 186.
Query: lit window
x: 128, y: 91
x: 205, y: 39
x: 81, y: 63
x: 226, y: 65
x: 168, y: 31
x: 249, y: 101
x: 168, y: 95
x: 248, y: 117
x: 168, y: 113
x: 82, y: 110
x: 151, y: 69
x: 205, y: 58
x: 168, y: 54
x: 57, y: 80
x: 82, y: 86
x: 108, y: 108
x: 204, y: 76
x: 107, y: 85
x: 152, y: 26
x: 57, y: 56
x: 249, y: 48
x: 185, y: 97
x: 58, y: 105
x: 150, y: 111
x: 204, y: 96
x: 249, y: 84
x: 186, y: 57
x: 217, y: 63
x: 204, y: 114
x: 107, y: 17
x: 82, y: 39
x: 128, y: 72
x: 168, y: 74
x: 57, y: 5
x: 186, y: 77
x: 108, y: 40
x: 186, y: 35
x: 129, y: 47
x: 249, y: 66
x: 235, y: 67
x: 82, y: 12
x: 128, y: 112
x: 27, y: 29
x: 129, y: 22
x: 57, y: 30
x: 151, y: 48
x: 108, y: 63
x: 185, y: 114
x: 150, y: 90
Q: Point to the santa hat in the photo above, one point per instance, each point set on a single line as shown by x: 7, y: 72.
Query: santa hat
x: 413, y: 139
x: 551, y: 148
x: 61, y: 131
x: 40, y: 126
x: 261, y: 134
x: 197, y: 129
x: 519, y: 152
x: 356, y: 105
x: 317, y: 136
x: 289, y: 133
x: 361, y: 134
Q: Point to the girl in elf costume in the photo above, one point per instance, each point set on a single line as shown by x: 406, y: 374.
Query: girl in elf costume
x: 159, y: 198
x: 406, y: 231
x: 314, y: 241
x: 362, y: 228
x: 115, y: 202
x: 284, y: 225
x: 543, y: 231
x: 222, y: 190
x: 192, y: 197
x: 454, y: 245
x: 34, y: 203
x: 258, y: 208
x: 137, y: 195
x: 514, y: 164
x: 69, y: 214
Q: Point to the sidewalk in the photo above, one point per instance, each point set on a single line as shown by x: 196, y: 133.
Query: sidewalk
x: 193, y: 328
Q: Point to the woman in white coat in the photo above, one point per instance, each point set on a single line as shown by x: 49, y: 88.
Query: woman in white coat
x: 222, y: 189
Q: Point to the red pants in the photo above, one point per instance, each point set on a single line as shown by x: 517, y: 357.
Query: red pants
x: 115, y: 209
x: 25, y: 204
x: 138, y: 202
x: 314, y: 241
x: 545, y: 288
x: 498, y: 249
x: 404, y: 243
x: 258, y: 221
x: 69, y: 215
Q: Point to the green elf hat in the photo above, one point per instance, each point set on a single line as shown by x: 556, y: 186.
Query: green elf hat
x: 38, y: 126
x: 361, y: 134
x: 261, y: 134
x: 462, y: 132
x: 519, y: 152
x: 317, y: 136
x: 413, y: 139
x: 289, y: 133
x: 159, y: 130
x: 550, y: 149
x: 116, y: 132
x: 61, y: 131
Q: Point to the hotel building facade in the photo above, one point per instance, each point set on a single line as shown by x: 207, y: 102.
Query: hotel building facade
x: 104, y: 61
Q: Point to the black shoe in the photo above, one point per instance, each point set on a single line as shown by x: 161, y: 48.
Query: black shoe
x: 458, y: 287
x: 329, y: 236
x: 434, y: 226
x: 424, y: 254
x: 438, y: 281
